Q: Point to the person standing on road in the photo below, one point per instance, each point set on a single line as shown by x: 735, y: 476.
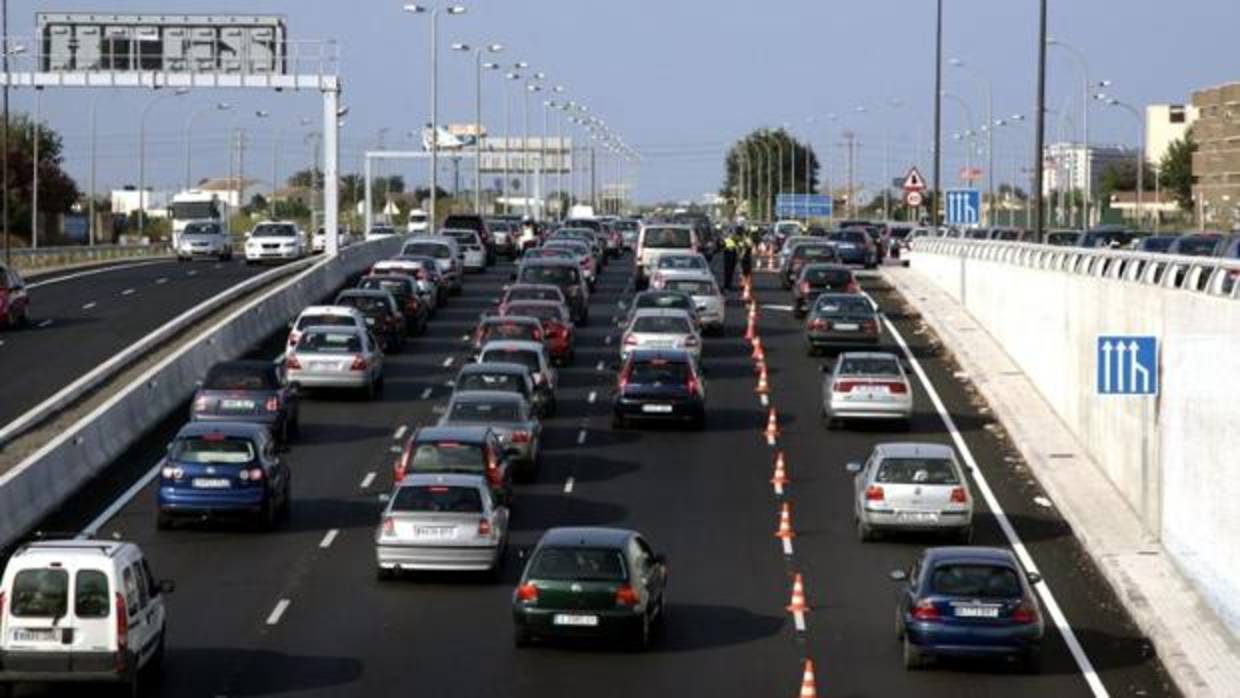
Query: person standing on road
x: 729, y: 260
x: 746, y: 255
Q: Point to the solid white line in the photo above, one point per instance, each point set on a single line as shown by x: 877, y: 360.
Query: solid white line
x: 93, y: 272
x: 607, y: 339
x: 366, y: 481
x: 464, y: 338
x: 121, y: 502
x: 127, y: 292
x: 191, y: 273
x: 798, y: 618
x: 278, y: 611
x: 400, y: 432
x: 329, y: 538
x: 593, y: 397
x: 427, y: 393
x: 581, y: 437
x: 447, y: 362
x: 568, y: 485
x: 89, y: 305
x: 787, y: 546
x: 1005, y: 524
x: 779, y: 489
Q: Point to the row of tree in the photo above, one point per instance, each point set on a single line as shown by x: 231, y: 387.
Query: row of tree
x: 764, y: 164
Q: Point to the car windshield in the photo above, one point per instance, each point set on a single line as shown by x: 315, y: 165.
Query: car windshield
x: 855, y: 237
x: 427, y: 249
x: 512, y: 356
x: 916, y: 471
x: 329, y: 343
x: 234, y: 377
x: 659, y: 324
x: 209, y: 450
x: 1197, y: 246
x: 40, y: 593
x: 787, y: 229
x: 539, y: 312
x: 658, y: 372
x: 274, y: 231
x: 580, y: 564
x: 869, y: 366
x: 834, y: 277
x: 506, y: 382
x: 484, y: 411
x: 975, y: 581
x: 448, y: 455
x: 692, y: 287
x: 192, y: 229
x: 835, y: 305
x: 558, y: 275
x: 678, y: 238
x: 439, y: 499
x: 325, y: 321
x: 681, y: 261
x: 368, y: 304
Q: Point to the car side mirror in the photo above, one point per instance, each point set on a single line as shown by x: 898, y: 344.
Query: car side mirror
x: 853, y: 467
x: 898, y: 576
x: 1033, y: 577
x: 167, y: 586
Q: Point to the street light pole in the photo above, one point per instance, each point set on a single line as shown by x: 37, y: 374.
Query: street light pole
x: 1136, y: 114
x: 1040, y: 123
x: 478, y: 67
x: 530, y: 87
x: 938, y: 114
x: 142, y: 156
x: 1083, y: 63
x: 434, y: 13
x: 990, y: 143
x: 189, y: 140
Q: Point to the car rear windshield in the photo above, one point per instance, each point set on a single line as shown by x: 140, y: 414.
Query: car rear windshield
x: 828, y: 276
x: 580, y: 564
x: 661, y: 325
x: 670, y: 238
x: 40, y: 593
x: 491, y: 381
x: 512, y: 356
x: 693, y: 287
x: 854, y: 236
x: 206, y: 450
x: 869, y: 366
x: 509, y: 330
x: 540, y: 312
x: 659, y: 372
x: 427, y: 249
x: 813, y: 252
x: 441, y: 499
x: 679, y: 261
x: 395, y: 286
x: 329, y: 343
x: 844, y: 306
x: 557, y: 275
x: 534, y: 294
x: 917, y: 471
x: 448, y: 455
x: 370, y: 305
x: 664, y: 300
x: 325, y: 321
x: 483, y: 412
x: 975, y: 580
x: 241, y: 378
x: 90, y: 594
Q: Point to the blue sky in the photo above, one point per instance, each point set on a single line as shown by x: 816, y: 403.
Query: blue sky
x: 679, y: 79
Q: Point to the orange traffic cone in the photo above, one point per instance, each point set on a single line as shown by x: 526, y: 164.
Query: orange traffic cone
x: 809, y: 688
x: 772, y: 426
x: 763, y: 388
x: 745, y: 294
x: 785, y: 531
x: 797, y: 604
x: 781, y: 471
x: 750, y: 330
x: 758, y: 354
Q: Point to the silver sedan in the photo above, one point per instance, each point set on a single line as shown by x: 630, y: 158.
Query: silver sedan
x: 912, y: 487
x: 441, y: 522
x: 509, y: 416
x: 867, y: 386
x: 336, y: 357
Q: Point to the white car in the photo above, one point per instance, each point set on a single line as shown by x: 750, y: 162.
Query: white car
x: 447, y: 256
x: 80, y: 610
x: 867, y: 386
x: 204, y: 239
x: 274, y: 242
x: 318, y: 244
x: 656, y: 240
x: 325, y: 316
x: 380, y: 232
x: 473, y: 254
x: 712, y: 307
x: 661, y: 328
x: 441, y: 522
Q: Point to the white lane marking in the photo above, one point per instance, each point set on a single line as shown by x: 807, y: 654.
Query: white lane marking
x: 427, y: 393
x: 400, y: 432
x: 593, y: 397
x: 798, y: 617
x: 601, y: 366
x: 46, y: 323
x: 766, y: 401
x: 161, y: 281
x: 121, y: 502
x: 366, y: 481
x: 770, y: 441
x: 127, y: 292
x: 568, y: 485
x: 278, y: 611
x: 607, y: 339
x: 1018, y: 546
x: 329, y: 538
x: 70, y: 277
x: 788, y: 547
x: 191, y: 273
x: 464, y: 338
x: 447, y: 362
x: 581, y: 437
x: 89, y: 305
x: 785, y: 308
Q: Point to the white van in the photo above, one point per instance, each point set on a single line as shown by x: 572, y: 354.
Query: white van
x: 656, y: 240
x: 419, y: 222
x: 80, y: 610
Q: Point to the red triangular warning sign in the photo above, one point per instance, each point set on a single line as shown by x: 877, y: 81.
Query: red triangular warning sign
x: 913, y: 181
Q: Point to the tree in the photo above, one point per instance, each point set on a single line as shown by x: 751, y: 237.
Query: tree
x: 763, y: 154
x: 394, y: 184
x: 1122, y: 176
x: 307, y: 178
x: 1176, y: 170
x: 57, y: 190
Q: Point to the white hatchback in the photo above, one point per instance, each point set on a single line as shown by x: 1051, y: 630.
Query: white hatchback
x: 274, y: 242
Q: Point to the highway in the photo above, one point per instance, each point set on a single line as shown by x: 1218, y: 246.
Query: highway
x: 81, y: 318
x: 298, y: 612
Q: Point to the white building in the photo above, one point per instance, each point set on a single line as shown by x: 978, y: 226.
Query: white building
x: 1067, y: 166
x: 1165, y: 124
x: 155, y: 203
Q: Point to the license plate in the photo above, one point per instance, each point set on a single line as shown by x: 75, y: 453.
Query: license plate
x: 321, y: 366
x: 579, y: 621
x: 434, y: 532
x: 977, y: 611
x: 211, y: 483
x: 237, y: 404
x: 847, y: 326
x: 34, y: 634
x: 657, y: 409
x: 919, y: 516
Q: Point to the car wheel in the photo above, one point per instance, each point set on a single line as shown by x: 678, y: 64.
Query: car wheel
x: 520, y: 638
x: 912, y: 656
x: 552, y: 407
x: 619, y: 423
x: 698, y: 423
x: 156, y: 662
x: 899, y: 627
x: 163, y: 522
x: 283, y: 437
x: 270, y: 516
x: 383, y: 574
x: 811, y: 350
x: 865, y: 534
x: 369, y: 391
x: 641, y: 636
x: 798, y: 313
x: 295, y: 429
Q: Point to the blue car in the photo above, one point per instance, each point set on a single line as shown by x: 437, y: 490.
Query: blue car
x: 854, y: 247
x: 969, y: 602
x: 223, y: 469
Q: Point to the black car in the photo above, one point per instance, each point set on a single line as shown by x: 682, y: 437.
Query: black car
x: 476, y: 223
x: 404, y: 289
x: 1197, y: 245
x: 840, y: 319
x: 248, y: 391
x: 383, y: 316
x: 567, y: 276
x: 816, y: 279
x: 855, y: 247
x: 803, y: 254
x: 659, y: 385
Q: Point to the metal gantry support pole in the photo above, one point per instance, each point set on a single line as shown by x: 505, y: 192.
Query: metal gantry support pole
x: 369, y: 195
x: 1039, y: 136
x: 331, y: 174
x: 94, y: 105
x: 936, y: 205
x: 34, y: 188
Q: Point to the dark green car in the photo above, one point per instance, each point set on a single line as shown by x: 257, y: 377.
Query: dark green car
x: 590, y: 582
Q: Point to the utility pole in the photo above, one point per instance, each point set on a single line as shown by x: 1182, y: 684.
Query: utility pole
x: 4, y: 179
x: 938, y: 113
x: 1039, y: 136
x: 34, y: 190
x: 593, y: 180
x: 851, y: 137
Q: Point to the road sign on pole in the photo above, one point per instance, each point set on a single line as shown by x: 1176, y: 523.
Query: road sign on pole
x: 803, y: 206
x: 964, y: 206
x: 913, y: 199
x: 1127, y: 365
x: 913, y: 181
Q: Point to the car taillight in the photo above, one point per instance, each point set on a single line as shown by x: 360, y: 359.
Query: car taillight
x: 627, y: 596
x: 959, y: 496
x: 293, y: 337
x: 896, y: 387
x: 925, y: 610
x: 292, y: 363
x: 692, y: 385
x: 804, y: 287
x: 624, y: 380
x: 844, y: 386
x: 869, y: 327
x: 122, y: 624
x: 200, y: 403
x: 874, y: 493
x: 852, y: 287
x: 630, y: 340
x: 520, y: 436
x: 389, y: 526
x: 692, y: 341
x: 251, y: 474
x: 819, y: 324
x: 359, y: 363
x: 273, y: 404
x: 402, y: 465
x: 538, y: 335
x: 484, y: 527
x: 527, y: 593
x: 1026, y: 612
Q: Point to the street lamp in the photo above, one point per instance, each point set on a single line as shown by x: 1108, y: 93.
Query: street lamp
x: 1083, y: 64
x: 531, y: 86
x: 275, y: 163
x: 968, y: 115
x: 990, y: 118
x: 478, y: 67
x: 189, y: 125
x: 434, y: 13
x: 181, y: 91
x: 1136, y: 114
x: 514, y: 76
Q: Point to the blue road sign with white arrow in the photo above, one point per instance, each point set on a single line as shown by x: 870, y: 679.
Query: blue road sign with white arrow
x: 803, y: 206
x: 964, y: 206
x: 1127, y: 365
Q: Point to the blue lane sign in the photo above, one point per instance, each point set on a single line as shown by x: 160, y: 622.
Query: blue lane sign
x: 1127, y: 365
x: 803, y: 206
x: 964, y: 206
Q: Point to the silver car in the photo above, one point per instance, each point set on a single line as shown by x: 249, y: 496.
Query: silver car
x: 866, y: 385
x: 912, y: 487
x: 511, y: 418
x: 712, y: 307
x: 473, y: 253
x: 530, y: 354
x: 661, y: 329
x: 446, y: 254
x: 336, y: 357
x: 441, y: 522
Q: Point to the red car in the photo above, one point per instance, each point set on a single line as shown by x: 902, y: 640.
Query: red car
x: 14, y: 301
x: 511, y: 327
x: 557, y: 326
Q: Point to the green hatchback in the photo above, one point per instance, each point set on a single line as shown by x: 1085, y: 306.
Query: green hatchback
x: 590, y: 582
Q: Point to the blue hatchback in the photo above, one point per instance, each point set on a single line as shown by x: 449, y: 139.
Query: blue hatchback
x: 969, y: 602
x: 220, y: 469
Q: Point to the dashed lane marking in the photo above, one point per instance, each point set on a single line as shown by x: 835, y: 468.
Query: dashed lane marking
x: 568, y: 485
x: 92, y: 272
x: 788, y: 547
x: 329, y: 538
x: 191, y: 273
x: 427, y: 393
x: 798, y: 618
x: 278, y: 612
x: 601, y: 365
x: 593, y: 397
x: 46, y: 323
x: 448, y: 362
x: 161, y: 280
x: 400, y: 432
x: 127, y: 292
x: 581, y: 437
x: 366, y: 481
x: 89, y: 305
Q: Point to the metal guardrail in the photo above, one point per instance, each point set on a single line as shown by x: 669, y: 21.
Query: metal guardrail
x: 28, y: 259
x: 1210, y: 276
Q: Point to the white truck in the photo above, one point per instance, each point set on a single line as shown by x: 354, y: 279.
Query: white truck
x: 196, y: 206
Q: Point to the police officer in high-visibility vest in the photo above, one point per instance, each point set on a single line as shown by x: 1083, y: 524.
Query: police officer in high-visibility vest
x: 746, y: 246
x: 730, y: 245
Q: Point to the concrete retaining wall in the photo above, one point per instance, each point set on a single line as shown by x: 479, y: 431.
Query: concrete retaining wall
x: 1172, y: 457
x: 41, y: 483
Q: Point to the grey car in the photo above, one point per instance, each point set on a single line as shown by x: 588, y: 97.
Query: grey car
x: 867, y: 386
x: 505, y: 377
x: 511, y: 418
x: 336, y: 357
x: 912, y: 487
x: 531, y: 354
x: 840, y: 319
x: 447, y: 522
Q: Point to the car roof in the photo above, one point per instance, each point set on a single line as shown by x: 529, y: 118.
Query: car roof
x: 495, y: 367
x: 331, y: 329
x: 244, y: 429
x: 549, y: 262
x: 541, y: 287
x: 485, y: 396
x: 669, y: 355
x: 535, y: 303
x: 586, y: 537
x: 660, y: 312
x: 505, y: 344
x: 364, y: 292
x: 61, y: 547
x: 254, y: 364
x: 914, y: 450
x: 686, y: 275
x: 472, y: 434
x: 330, y: 310
x: 971, y: 554
x: 498, y: 319
x: 832, y: 266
